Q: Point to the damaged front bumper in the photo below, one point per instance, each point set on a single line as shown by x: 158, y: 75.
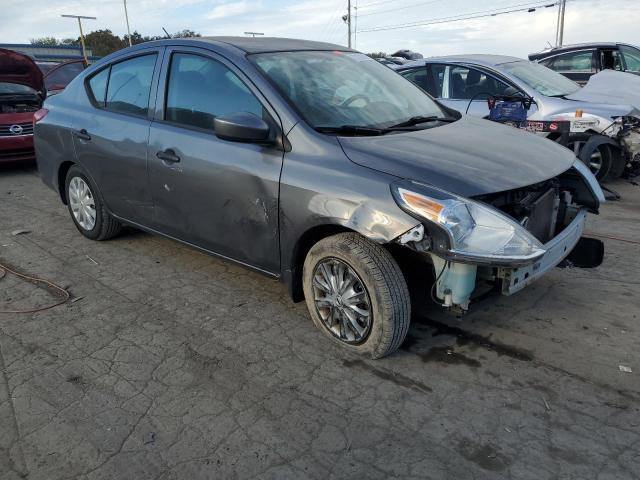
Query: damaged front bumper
x: 456, y: 281
x: 517, y: 278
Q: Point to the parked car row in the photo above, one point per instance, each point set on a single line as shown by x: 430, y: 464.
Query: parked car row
x: 603, y: 116
x: 317, y: 165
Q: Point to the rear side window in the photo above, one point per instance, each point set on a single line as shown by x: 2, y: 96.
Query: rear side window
x: 201, y: 89
x: 574, y: 62
x: 98, y: 86
x: 130, y: 85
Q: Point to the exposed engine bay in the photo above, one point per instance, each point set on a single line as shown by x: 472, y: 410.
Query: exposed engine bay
x: 553, y: 211
x: 19, y: 104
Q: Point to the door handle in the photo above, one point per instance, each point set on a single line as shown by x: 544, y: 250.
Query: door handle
x: 168, y: 156
x: 82, y: 135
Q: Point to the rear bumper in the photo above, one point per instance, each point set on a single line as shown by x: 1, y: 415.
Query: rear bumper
x: 17, y: 148
x: 515, y: 279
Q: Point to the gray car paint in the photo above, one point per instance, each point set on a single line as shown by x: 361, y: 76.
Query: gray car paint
x: 260, y: 208
x: 478, y: 165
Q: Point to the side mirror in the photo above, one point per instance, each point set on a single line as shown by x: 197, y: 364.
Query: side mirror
x: 241, y: 127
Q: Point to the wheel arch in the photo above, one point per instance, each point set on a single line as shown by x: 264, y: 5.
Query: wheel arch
x: 62, y: 178
x: 293, y: 273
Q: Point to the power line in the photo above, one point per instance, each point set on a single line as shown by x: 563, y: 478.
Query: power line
x: 458, y: 18
x: 376, y: 3
x: 399, y: 8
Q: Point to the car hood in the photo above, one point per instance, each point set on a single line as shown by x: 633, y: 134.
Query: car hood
x: 611, y: 87
x: 468, y: 157
x: 16, y: 67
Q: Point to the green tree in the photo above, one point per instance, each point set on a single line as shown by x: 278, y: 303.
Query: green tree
x: 103, y: 42
x: 186, y: 34
x: 44, y: 41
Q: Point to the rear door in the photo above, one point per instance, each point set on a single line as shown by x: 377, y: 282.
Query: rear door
x: 111, y: 135
x: 219, y: 195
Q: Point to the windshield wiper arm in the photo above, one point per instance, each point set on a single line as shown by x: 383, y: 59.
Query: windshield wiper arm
x: 422, y: 119
x: 351, y: 130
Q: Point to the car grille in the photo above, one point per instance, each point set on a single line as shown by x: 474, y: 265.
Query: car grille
x: 16, y: 155
x: 5, y: 129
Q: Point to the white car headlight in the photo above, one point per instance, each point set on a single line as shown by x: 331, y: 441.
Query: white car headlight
x: 475, y: 232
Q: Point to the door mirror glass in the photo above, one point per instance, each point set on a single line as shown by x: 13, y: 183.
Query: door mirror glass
x: 241, y: 127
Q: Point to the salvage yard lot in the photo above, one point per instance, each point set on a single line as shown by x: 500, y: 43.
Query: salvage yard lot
x: 170, y: 364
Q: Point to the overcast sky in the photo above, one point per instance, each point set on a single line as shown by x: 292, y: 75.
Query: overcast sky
x: 515, y: 34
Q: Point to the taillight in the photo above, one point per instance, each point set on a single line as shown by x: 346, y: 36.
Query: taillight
x: 39, y: 115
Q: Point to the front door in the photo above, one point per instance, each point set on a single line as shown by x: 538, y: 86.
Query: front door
x: 216, y: 194
x: 110, y: 135
x: 468, y: 89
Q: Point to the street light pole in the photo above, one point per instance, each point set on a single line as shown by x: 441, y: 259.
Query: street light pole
x: 84, y: 48
x: 126, y: 16
x: 560, y: 32
x: 349, y: 20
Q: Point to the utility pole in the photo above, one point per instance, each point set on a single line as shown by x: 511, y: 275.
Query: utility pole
x: 126, y: 16
x: 79, y: 17
x: 560, y: 29
x: 349, y: 20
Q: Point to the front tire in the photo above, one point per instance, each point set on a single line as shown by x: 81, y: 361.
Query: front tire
x: 87, y: 208
x: 357, y: 294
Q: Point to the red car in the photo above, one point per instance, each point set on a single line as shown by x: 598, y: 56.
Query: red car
x: 22, y: 92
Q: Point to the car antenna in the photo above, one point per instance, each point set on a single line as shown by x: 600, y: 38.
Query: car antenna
x: 165, y: 31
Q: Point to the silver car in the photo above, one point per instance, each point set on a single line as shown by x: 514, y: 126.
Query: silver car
x: 603, y: 132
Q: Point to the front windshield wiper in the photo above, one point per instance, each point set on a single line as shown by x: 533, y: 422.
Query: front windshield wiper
x: 351, y: 130
x: 421, y: 119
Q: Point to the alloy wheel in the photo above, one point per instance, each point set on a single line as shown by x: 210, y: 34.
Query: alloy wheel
x: 342, y: 301
x: 82, y: 203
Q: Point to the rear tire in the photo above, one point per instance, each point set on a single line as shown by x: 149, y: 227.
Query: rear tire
x: 375, y: 276
x: 87, y: 208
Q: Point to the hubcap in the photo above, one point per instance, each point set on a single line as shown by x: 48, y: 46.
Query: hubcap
x: 595, y: 162
x: 342, y: 301
x: 82, y: 204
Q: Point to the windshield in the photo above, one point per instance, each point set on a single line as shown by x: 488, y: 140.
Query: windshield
x: 334, y: 89
x: 15, y: 89
x: 542, y: 79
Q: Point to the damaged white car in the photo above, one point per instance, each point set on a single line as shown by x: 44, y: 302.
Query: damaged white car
x: 603, y: 116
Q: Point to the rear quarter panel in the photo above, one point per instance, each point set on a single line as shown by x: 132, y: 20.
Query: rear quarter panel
x: 53, y: 140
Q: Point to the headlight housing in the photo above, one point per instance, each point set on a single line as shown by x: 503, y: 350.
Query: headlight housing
x: 465, y: 230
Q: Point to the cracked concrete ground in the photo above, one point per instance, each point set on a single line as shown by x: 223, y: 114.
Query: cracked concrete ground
x: 170, y: 364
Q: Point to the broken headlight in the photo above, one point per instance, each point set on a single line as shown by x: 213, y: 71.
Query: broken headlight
x: 464, y: 230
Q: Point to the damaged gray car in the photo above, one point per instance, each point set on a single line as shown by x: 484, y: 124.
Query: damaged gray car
x: 316, y: 165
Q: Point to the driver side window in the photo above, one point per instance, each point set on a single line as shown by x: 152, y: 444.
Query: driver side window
x: 200, y: 89
x: 471, y: 84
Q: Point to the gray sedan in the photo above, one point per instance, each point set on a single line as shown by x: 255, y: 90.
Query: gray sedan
x: 316, y: 165
x: 604, y: 132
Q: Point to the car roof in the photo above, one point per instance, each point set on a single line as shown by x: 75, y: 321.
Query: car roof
x: 570, y: 48
x: 477, y: 59
x: 259, y: 44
